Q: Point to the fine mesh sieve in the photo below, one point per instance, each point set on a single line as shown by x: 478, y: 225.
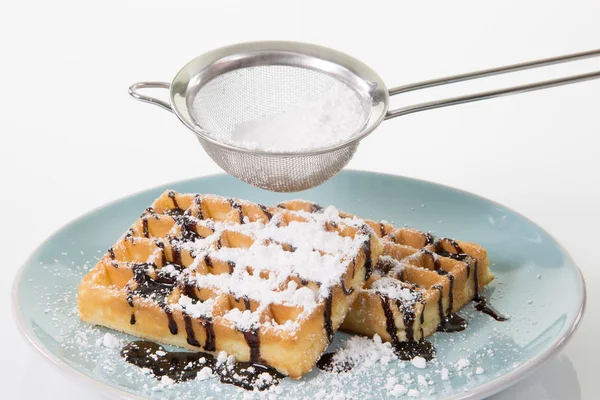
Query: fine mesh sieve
x: 253, y: 84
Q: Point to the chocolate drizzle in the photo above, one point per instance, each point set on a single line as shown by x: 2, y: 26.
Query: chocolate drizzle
x: 158, y: 289
x: 390, y: 324
x: 183, y: 366
x: 409, y: 350
x: 484, y: 307
x: 470, y: 261
x: 189, y: 330
x: 347, y: 292
x: 452, y: 323
x: 231, y: 265
x: 176, y: 252
x: 238, y: 207
x: 176, y: 210
x: 449, y: 322
x: 145, y: 227
x: 253, y: 342
x: 326, y: 363
x: 188, y: 228
x: 132, y: 319
x: 210, y: 334
x: 428, y: 238
x: 314, y: 208
x: 367, y: 249
x: 381, y: 229
x: 246, y: 302
x: 208, y: 261
x: 198, y: 201
x: 265, y: 210
x: 327, y: 317
x: 111, y: 252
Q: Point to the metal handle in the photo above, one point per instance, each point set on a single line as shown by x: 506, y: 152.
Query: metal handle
x: 492, y: 93
x: 144, y: 85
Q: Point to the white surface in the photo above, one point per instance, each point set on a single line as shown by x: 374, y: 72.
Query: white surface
x: 71, y: 138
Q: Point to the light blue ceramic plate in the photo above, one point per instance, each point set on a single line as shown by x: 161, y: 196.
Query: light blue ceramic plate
x: 530, y: 267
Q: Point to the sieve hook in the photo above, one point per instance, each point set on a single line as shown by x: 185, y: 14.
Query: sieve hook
x: 145, y: 85
x: 493, y: 93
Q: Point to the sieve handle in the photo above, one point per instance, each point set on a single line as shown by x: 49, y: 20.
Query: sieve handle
x: 493, y: 93
x: 133, y: 91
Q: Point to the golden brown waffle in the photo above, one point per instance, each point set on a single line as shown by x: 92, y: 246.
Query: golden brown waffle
x: 206, y: 272
x: 417, y: 285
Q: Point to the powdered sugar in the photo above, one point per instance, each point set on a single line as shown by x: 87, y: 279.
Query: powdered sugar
x: 312, y: 122
x: 419, y: 362
x: 243, y: 320
x: 109, y: 340
x: 393, y: 289
x: 196, y: 309
x: 303, y: 249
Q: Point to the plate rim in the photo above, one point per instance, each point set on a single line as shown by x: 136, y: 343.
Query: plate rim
x: 487, y: 389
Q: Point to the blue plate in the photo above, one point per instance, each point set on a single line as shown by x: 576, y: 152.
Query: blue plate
x: 537, y: 284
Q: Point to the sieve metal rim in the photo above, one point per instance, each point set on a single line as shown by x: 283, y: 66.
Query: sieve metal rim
x: 354, y: 73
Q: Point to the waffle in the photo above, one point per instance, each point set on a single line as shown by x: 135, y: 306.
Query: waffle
x: 416, y: 286
x: 215, y: 274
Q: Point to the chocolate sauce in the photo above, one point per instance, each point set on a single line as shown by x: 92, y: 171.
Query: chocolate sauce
x: 326, y: 363
x: 189, y: 330
x: 428, y: 238
x: 476, y: 279
x: 314, y: 208
x: 327, y: 317
x: 304, y: 281
x: 347, y: 292
x: 253, y: 342
x: 129, y: 296
x: 198, y: 201
x: 111, y: 252
x: 176, y: 252
x: 443, y: 272
x: 390, y: 325
x: 408, y: 317
x: 439, y: 248
x: 484, y: 307
x: 176, y: 210
x: 381, y: 229
x: 409, y: 350
x: 435, y: 259
x: 145, y: 227
x: 158, y: 289
x: 452, y: 323
x: 210, y: 334
x: 231, y: 265
x: 266, y: 212
x: 188, y: 228
x: 422, y: 317
x: 246, y: 302
x: 367, y: 249
x: 238, y: 207
x: 208, y: 261
x: 132, y: 319
x: 183, y: 366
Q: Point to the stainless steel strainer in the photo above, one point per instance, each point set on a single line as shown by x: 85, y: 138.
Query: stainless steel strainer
x: 251, y: 82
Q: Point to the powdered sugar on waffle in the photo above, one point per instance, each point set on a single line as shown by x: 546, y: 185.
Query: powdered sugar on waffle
x: 318, y: 255
x: 393, y: 289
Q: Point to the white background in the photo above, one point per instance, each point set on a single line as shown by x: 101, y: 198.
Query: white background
x: 72, y: 139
